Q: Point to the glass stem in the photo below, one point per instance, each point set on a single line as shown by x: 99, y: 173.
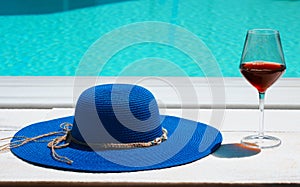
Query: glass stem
x: 261, y: 116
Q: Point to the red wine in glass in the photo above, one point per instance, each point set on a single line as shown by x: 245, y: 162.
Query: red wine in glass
x: 262, y: 74
x: 262, y: 63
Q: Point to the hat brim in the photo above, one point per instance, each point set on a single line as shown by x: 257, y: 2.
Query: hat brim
x: 187, y: 141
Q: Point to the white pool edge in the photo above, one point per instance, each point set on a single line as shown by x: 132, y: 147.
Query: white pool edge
x: 234, y: 93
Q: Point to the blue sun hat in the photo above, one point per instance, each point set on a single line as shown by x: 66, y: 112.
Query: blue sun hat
x: 116, y: 128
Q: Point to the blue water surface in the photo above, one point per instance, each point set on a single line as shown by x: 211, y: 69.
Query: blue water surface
x: 50, y: 37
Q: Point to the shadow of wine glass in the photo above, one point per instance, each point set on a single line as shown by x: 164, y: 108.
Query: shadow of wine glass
x: 235, y: 150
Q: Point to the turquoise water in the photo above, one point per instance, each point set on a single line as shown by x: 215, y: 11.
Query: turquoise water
x: 44, y: 39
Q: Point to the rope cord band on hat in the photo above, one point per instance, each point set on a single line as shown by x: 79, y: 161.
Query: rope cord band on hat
x: 53, y: 143
x: 66, y: 137
x: 156, y: 141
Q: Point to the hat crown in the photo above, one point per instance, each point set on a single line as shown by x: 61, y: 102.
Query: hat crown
x: 116, y: 113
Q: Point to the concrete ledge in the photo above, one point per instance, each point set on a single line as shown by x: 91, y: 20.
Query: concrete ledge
x: 231, y: 165
x: 135, y: 184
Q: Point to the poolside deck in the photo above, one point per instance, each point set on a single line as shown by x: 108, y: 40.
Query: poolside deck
x: 32, y: 101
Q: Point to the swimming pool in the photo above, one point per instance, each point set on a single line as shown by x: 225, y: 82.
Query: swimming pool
x: 49, y: 38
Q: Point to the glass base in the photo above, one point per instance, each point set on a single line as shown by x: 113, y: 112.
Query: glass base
x: 259, y: 141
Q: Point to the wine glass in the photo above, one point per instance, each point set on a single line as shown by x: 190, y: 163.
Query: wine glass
x: 262, y: 63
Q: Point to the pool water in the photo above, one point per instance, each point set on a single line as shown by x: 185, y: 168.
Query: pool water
x: 50, y: 38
